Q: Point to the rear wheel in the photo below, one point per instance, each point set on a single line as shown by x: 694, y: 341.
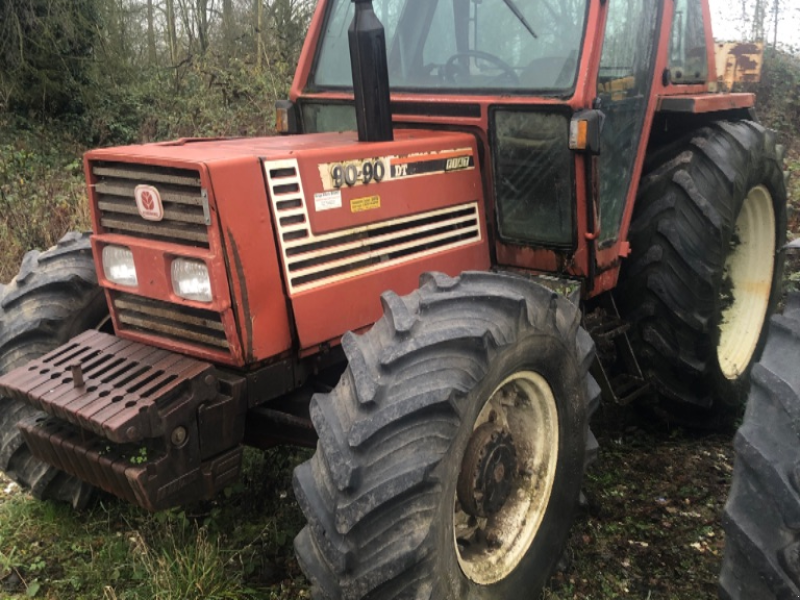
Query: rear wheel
x: 451, y: 452
x: 705, y: 268
x: 762, y: 515
x: 54, y: 297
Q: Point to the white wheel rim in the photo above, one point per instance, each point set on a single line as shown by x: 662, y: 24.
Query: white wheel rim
x: 525, y: 407
x: 749, y: 269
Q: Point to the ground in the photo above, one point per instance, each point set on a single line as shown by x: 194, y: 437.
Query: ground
x: 650, y: 529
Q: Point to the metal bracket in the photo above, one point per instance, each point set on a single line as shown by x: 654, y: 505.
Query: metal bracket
x: 206, y: 209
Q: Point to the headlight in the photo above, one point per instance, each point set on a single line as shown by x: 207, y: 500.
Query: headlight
x: 118, y: 266
x: 190, y: 280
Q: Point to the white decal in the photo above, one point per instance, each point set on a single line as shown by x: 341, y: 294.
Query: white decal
x: 328, y: 200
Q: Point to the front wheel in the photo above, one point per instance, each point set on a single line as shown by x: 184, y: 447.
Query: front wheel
x: 54, y: 297
x: 451, y: 453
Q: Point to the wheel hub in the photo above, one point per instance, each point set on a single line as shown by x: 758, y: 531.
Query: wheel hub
x: 508, y: 470
x: 488, y: 471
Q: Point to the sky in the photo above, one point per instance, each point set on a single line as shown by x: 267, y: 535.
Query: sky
x: 724, y: 15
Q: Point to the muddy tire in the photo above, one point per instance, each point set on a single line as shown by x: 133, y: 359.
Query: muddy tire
x: 762, y: 515
x: 458, y: 432
x: 54, y: 297
x: 704, y: 273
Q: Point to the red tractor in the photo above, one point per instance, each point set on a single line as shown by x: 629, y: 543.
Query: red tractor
x: 477, y: 172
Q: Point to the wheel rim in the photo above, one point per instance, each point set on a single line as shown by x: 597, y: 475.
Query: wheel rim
x: 749, y: 269
x: 497, y: 517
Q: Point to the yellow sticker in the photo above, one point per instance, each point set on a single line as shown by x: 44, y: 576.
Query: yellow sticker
x: 362, y: 204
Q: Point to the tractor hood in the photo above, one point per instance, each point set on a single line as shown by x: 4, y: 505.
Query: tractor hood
x: 323, y: 221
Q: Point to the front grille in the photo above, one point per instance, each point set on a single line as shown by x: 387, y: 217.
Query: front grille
x: 181, y: 323
x: 186, y: 216
x: 311, y: 260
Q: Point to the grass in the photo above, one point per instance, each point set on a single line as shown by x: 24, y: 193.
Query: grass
x: 239, y: 547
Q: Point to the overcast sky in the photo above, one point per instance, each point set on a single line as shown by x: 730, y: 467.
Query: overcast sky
x: 725, y: 13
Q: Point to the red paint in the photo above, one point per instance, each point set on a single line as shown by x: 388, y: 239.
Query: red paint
x: 709, y: 103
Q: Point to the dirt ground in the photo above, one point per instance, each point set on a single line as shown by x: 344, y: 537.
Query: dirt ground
x: 651, y: 527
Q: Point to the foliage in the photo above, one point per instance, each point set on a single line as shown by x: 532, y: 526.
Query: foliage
x: 42, y: 192
x: 120, y: 71
x: 45, y: 55
x: 102, y: 72
x: 779, y: 93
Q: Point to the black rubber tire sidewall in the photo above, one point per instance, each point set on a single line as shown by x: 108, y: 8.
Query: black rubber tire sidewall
x: 762, y: 539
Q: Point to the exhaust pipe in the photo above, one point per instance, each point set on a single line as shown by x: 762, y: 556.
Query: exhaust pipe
x: 370, y: 75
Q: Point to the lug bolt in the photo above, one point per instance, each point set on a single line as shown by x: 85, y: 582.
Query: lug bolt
x: 179, y: 435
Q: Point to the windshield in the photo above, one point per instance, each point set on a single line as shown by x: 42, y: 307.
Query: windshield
x: 464, y: 45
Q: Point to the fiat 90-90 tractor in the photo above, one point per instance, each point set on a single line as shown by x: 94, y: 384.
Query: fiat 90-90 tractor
x: 476, y: 173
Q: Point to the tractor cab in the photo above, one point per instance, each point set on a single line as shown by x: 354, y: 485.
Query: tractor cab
x: 562, y: 97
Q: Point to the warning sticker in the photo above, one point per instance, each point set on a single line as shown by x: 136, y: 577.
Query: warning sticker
x: 363, y: 204
x: 328, y: 200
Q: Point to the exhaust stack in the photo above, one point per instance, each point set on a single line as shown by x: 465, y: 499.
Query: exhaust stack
x: 370, y: 75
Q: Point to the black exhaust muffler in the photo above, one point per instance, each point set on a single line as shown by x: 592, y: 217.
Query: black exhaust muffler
x: 370, y: 75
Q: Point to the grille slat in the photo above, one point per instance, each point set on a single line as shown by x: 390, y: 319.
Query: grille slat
x: 167, y: 195
x: 330, y: 265
x: 185, y: 219
x: 124, y: 207
x: 172, y: 314
x: 149, y: 229
x: 146, y: 173
x: 190, y: 325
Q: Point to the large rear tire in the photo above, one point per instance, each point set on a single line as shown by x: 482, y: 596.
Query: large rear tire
x: 704, y: 274
x: 762, y: 515
x: 54, y: 297
x: 451, y: 453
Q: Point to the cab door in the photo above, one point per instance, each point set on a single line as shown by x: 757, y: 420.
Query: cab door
x: 624, y: 84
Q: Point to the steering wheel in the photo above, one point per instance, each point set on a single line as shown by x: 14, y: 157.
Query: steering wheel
x: 451, y: 73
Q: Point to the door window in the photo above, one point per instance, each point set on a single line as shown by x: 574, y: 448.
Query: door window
x: 688, y: 57
x: 626, y: 74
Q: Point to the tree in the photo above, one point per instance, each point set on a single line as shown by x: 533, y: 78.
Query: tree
x: 46, y: 48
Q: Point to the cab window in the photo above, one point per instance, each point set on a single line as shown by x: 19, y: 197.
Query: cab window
x: 688, y: 54
x: 464, y: 45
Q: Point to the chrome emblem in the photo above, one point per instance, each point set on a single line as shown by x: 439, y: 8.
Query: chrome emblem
x: 148, y: 201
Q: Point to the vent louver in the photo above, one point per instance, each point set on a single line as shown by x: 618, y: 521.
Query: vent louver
x: 312, y: 260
